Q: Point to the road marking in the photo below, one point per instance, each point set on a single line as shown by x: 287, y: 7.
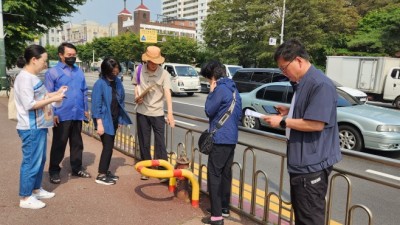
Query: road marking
x: 188, y: 104
x: 189, y: 124
x: 383, y: 174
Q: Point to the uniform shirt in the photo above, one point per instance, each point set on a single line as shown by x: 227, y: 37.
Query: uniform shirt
x: 76, y: 102
x: 28, y: 90
x: 153, y: 102
x: 316, y: 99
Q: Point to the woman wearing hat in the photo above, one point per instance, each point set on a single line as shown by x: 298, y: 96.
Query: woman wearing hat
x: 155, y: 82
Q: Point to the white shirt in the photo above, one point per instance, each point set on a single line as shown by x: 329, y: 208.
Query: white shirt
x: 28, y: 90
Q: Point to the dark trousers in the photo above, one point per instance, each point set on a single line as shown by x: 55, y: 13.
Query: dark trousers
x: 307, y: 192
x: 105, y: 159
x: 219, y: 177
x: 66, y: 130
x: 145, y: 124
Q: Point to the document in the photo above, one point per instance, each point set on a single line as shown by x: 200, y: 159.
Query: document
x: 252, y: 113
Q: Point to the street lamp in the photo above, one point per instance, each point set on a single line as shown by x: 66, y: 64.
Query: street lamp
x: 283, y: 20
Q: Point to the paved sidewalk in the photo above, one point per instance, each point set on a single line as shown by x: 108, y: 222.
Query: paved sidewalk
x: 82, y: 201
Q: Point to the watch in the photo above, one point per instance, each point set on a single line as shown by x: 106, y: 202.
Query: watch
x: 283, y: 122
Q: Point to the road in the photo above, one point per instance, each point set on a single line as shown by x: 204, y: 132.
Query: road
x: 377, y: 198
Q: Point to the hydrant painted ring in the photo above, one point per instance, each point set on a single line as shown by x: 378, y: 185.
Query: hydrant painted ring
x: 170, y: 173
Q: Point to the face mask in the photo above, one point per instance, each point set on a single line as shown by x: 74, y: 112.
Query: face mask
x: 70, y: 61
x: 111, y: 77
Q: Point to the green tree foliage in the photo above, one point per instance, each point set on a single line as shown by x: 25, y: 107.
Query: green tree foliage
x: 52, y: 52
x: 25, y: 20
x: 179, y: 50
x: 127, y: 47
x: 365, y: 6
x: 378, y: 32
x: 236, y: 31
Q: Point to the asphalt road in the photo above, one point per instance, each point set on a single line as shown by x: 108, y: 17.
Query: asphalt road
x: 384, y: 202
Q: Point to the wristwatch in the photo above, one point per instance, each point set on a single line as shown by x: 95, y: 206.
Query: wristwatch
x: 283, y: 122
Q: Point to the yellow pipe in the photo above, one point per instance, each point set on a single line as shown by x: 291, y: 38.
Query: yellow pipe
x: 170, y: 173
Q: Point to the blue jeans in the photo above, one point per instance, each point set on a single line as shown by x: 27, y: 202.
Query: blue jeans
x: 34, y: 143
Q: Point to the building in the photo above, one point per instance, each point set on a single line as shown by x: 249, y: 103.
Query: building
x: 77, y: 33
x: 187, y: 9
x: 169, y: 27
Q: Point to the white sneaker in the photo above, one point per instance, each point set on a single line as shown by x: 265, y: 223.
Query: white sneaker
x: 42, y: 194
x: 31, y: 203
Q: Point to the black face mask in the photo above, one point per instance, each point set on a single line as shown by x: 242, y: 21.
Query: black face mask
x: 70, y: 61
x: 111, y: 77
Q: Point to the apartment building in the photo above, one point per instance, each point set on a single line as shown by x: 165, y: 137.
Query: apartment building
x: 187, y: 9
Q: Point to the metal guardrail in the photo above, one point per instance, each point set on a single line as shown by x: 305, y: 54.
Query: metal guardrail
x: 126, y: 142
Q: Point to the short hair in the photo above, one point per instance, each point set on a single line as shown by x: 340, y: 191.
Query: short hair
x: 290, y: 49
x: 213, y: 69
x: 61, y: 48
x: 108, y: 65
x: 32, y: 51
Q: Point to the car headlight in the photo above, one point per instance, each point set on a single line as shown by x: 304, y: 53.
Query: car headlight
x: 388, y: 128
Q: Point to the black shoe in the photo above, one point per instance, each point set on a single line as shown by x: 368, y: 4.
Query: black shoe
x: 81, y: 173
x: 112, y: 176
x: 104, y: 179
x: 225, y: 212
x: 208, y: 221
x: 55, y: 178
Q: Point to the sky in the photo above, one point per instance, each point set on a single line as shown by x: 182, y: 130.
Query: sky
x: 106, y: 11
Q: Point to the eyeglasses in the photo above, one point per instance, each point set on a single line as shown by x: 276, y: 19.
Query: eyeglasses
x: 285, y: 67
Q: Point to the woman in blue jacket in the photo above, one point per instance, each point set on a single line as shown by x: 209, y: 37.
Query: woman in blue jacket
x: 108, y: 112
x: 220, y: 160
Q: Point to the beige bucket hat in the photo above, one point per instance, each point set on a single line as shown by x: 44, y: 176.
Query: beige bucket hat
x: 153, y: 53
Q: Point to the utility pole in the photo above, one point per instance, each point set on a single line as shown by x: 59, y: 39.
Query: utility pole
x: 2, y: 46
x: 283, y: 20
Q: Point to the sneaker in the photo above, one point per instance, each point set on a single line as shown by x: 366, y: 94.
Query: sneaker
x: 55, y: 178
x: 42, y: 194
x: 81, y: 173
x: 225, y: 212
x: 208, y: 221
x: 112, y: 176
x: 143, y: 177
x: 104, y: 179
x: 31, y: 203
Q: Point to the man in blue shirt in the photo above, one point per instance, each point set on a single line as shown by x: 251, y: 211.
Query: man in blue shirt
x: 312, y: 132
x: 69, y: 116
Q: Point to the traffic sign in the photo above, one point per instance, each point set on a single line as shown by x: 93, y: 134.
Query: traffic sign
x: 148, y: 36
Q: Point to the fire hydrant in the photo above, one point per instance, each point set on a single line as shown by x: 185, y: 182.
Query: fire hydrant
x: 182, y: 183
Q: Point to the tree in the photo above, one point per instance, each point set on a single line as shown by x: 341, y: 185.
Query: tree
x: 180, y: 50
x: 378, y: 32
x: 236, y: 31
x: 127, y: 47
x: 25, y: 20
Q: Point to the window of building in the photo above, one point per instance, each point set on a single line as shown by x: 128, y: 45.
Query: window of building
x: 144, y: 15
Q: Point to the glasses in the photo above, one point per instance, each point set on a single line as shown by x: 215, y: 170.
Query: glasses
x: 285, y: 67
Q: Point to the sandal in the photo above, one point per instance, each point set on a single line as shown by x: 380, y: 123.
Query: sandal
x: 81, y: 173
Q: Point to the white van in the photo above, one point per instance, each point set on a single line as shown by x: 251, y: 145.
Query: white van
x: 184, y: 78
x: 231, y: 69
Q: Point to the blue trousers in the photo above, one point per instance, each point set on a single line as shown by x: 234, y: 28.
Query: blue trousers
x: 34, y: 143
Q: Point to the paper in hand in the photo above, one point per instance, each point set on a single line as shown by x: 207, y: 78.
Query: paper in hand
x: 252, y: 113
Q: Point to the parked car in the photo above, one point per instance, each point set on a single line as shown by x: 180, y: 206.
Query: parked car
x: 231, y: 70
x: 360, y: 95
x: 360, y: 125
x: 184, y: 78
x: 249, y: 78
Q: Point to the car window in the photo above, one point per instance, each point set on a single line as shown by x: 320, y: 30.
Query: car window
x: 262, y: 77
x: 233, y: 69
x: 395, y: 73
x: 170, y: 70
x: 278, y: 77
x: 275, y: 93
x: 242, y: 76
x: 260, y: 93
x: 289, y: 94
x: 186, y: 71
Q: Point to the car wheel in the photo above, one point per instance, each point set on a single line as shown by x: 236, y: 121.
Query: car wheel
x: 397, y: 102
x: 350, y: 138
x: 251, y: 122
x: 190, y: 93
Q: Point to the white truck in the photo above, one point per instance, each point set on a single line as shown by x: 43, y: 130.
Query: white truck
x: 379, y: 77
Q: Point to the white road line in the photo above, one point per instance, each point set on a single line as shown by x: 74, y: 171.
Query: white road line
x: 189, y: 124
x: 202, y: 106
x: 383, y: 174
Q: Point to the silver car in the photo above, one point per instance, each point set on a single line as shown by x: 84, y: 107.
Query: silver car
x: 360, y: 125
